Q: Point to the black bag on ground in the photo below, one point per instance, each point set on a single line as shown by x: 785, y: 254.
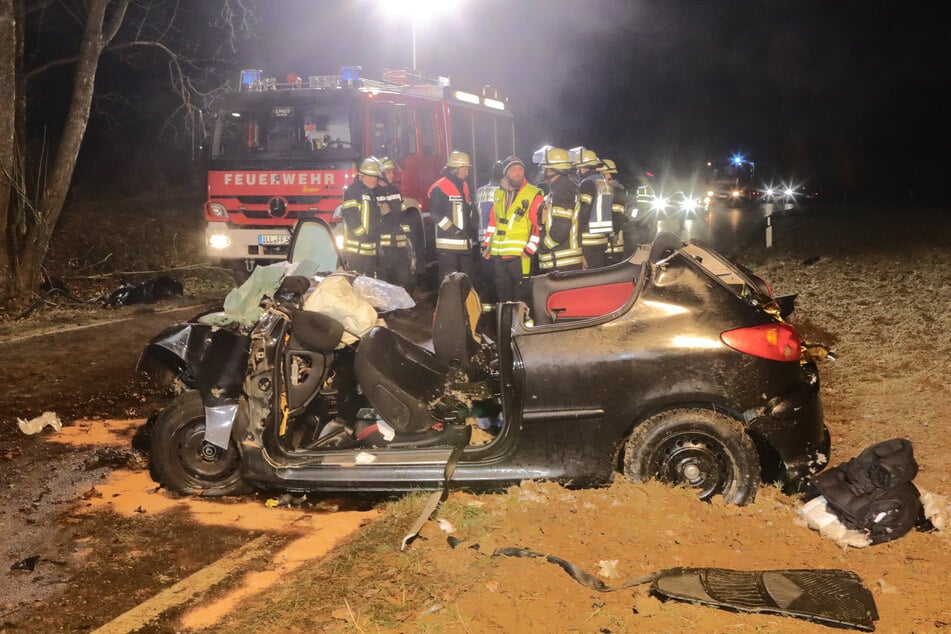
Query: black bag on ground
x: 873, y: 492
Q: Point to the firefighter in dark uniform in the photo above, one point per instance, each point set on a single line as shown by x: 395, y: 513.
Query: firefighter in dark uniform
x: 450, y: 207
x: 560, y: 245
x: 594, y: 211
x: 393, y: 263
x: 511, y: 237
x: 361, y: 219
x: 616, y: 250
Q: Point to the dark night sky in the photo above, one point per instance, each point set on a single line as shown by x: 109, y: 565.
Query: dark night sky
x: 843, y: 92
x: 846, y: 94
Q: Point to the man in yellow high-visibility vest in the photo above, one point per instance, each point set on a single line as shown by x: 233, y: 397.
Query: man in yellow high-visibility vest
x: 511, y: 237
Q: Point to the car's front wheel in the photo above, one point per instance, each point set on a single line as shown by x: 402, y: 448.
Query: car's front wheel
x: 695, y: 448
x: 181, y: 458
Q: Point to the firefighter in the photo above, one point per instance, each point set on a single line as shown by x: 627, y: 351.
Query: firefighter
x: 361, y: 219
x: 484, y: 283
x: 594, y: 210
x: 560, y: 246
x: 616, y: 250
x: 511, y: 237
x: 642, y: 225
x: 451, y: 209
x: 393, y: 260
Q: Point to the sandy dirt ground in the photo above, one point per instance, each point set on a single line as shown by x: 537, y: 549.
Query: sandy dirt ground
x: 875, y: 285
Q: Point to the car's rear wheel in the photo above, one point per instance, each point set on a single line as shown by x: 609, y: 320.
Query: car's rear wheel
x: 696, y: 448
x: 181, y: 458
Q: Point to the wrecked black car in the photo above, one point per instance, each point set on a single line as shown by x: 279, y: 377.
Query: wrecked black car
x: 674, y: 364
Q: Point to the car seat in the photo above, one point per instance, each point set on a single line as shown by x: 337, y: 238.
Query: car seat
x: 456, y: 341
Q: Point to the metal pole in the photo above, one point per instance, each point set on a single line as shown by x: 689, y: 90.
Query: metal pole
x: 414, y: 40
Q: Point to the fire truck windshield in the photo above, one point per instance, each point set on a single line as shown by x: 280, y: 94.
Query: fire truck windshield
x: 264, y: 128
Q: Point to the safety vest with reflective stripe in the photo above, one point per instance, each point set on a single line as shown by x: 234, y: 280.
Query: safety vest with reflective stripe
x: 393, y: 229
x: 513, y: 228
x: 619, y: 218
x: 567, y: 252
x: 361, y: 218
x: 452, y: 215
x: 596, y: 198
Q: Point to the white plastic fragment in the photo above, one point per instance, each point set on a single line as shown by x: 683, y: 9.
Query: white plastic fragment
x: 34, y: 426
x: 364, y: 458
x: 818, y: 517
x: 388, y: 432
x: 446, y: 526
x: 607, y: 568
x: 937, y: 509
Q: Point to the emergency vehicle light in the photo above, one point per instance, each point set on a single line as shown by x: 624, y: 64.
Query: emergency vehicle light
x: 493, y: 103
x: 350, y: 75
x: 250, y: 77
x: 468, y: 97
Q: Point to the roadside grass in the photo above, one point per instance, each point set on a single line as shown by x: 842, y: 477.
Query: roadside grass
x: 368, y: 584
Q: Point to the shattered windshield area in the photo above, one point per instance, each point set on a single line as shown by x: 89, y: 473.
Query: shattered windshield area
x: 315, y: 128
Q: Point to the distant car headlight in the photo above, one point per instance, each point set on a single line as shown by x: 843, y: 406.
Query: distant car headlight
x: 219, y: 241
x: 737, y: 193
x: 659, y: 203
x: 217, y: 210
x: 690, y: 204
x: 769, y: 192
x: 789, y: 192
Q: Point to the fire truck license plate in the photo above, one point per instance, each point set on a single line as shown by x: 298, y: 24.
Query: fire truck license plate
x: 269, y: 240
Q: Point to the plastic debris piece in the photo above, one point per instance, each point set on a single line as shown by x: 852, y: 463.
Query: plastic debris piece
x: 446, y: 526
x: 365, y: 458
x: 384, y: 428
x: 35, y: 425
x: 453, y: 541
x: 271, y: 503
x: 937, y: 509
x: 28, y: 564
x: 607, y: 568
x: 492, y: 586
x: 818, y: 517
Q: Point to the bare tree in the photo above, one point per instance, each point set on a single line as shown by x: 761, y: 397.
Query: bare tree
x: 33, y: 187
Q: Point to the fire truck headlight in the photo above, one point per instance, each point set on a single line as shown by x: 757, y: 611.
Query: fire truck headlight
x: 659, y: 203
x: 217, y: 210
x: 338, y: 213
x: 219, y: 241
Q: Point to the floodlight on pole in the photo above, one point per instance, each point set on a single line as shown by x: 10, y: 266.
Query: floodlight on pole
x: 416, y: 8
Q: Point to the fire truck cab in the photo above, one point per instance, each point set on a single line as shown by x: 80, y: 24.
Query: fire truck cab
x: 286, y: 151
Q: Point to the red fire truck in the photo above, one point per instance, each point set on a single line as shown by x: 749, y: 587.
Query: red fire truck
x: 285, y: 151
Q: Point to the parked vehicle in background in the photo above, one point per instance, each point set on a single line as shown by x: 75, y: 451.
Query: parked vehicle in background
x: 286, y: 151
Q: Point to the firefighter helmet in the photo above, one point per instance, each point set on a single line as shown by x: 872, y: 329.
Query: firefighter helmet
x: 387, y: 164
x: 554, y: 158
x: 583, y: 157
x: 608, y: 166
x: 458, y: 159
x: 370, y: 167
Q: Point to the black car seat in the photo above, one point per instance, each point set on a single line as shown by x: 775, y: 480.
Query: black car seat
x: 401, y: 380
x: 456, y: 341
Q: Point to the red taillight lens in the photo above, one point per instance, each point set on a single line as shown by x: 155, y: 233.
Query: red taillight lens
x: 778, y: 341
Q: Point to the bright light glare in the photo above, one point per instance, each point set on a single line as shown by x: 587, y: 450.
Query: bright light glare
x: 417, y: 7
x: 659, y: 203
x: 494, y: 103
x: 737, y: 193
x: 690, y: 204
x: 219, y: 241
x: 468, y: 97
x: 738, y: 159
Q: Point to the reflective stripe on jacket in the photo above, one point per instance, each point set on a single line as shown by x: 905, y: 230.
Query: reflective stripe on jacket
x: 451, y: 210
x: 513, y: 222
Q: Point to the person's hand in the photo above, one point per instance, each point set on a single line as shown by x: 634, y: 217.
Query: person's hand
x: 485, y: 252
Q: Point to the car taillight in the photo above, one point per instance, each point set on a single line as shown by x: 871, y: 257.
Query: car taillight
x: 776, y: 341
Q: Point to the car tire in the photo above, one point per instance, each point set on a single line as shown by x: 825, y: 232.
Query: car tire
x: 696, y: 448
x: 181, y: 459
